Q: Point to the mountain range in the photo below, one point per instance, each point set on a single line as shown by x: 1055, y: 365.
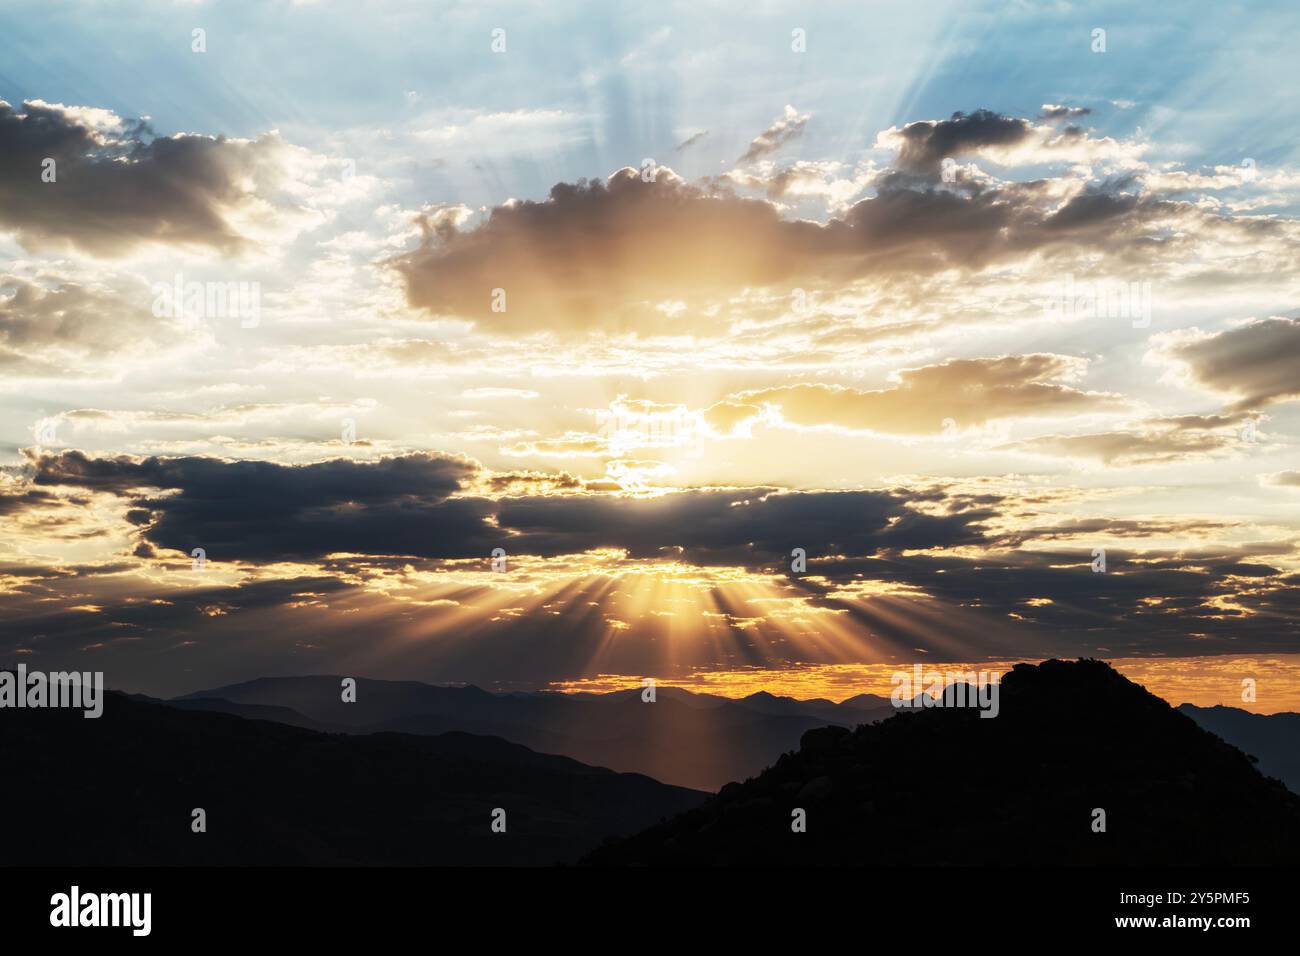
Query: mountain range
x: 121, y: 790
x: 410, y: 773
x: 699, y: 741
x: 1272, y: 738
x: 1081, y: 766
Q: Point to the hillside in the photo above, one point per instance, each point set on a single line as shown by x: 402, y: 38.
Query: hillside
x: 944, y: 786
x: 120, y: 790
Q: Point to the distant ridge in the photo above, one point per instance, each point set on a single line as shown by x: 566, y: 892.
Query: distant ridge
x: 700, y: 741
x: 1273, y: 738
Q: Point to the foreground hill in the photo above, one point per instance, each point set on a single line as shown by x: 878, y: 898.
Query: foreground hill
x: 120, y: 790
x: 946, y: 786
x: 693, y: 740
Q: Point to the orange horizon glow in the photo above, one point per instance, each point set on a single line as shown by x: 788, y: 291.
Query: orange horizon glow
x: 1202, y: 681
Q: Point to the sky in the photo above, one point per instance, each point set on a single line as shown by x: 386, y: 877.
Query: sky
x: 733, y: 345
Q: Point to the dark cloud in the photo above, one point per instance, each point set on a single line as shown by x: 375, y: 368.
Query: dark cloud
x: 690, y: 141
x: 1075, y: 528
x: 154, y: 644
x: 431, y: 477
x: 788, y: 127
x: 1165, y: 602
x: 18, y: 502
x: 937, y: 543
x: 1257, y: 361
x: 260, y: 511
x: 927, y: 143
x: 1052, y: 111
x: 744, y: 527
x: 936, y: 575
x: 605, y: 255
x: 522, y: 482
x: 116, y: 184
x: 257, y: 510
x: 950, y: 604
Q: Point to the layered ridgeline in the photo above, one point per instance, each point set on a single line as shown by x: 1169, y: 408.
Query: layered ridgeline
x: 944, y: 786
x: 691, y: 740
x: 122, y: 789
x: 1272, y: 738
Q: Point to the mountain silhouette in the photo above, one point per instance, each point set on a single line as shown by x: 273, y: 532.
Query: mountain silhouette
x: 1272, y: 738
x: 280, y: 715
x: 700, y: 741
x: 945, y: 786
x: 120, y: 789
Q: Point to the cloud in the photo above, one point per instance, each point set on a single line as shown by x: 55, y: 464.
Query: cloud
x: 901, y: 567
x: 807, y: 179
x: 922, y: 147
x: 1218, y: 599
x: 117, y: 185
x: 1054, y: 111
x: 83, y: 421
x: 690, y: 141
x: 18, y: 502
x: 427, y: 476
x: 966, y: 392
x: 1255, y: 362
x: 1129, y: 448
x: 743, y: 526
x: 1159, y: 440
x: 1283, y: 479
x: 493, y: 391
x: 469, y: 133
x: 728, y: 417
x: 61, y: 325
x: 257, y: 510
x: 599, y: 255
x: 572, y: 445
x: 608, y: 255
x: 261, y: 511
x: 788, y: 127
